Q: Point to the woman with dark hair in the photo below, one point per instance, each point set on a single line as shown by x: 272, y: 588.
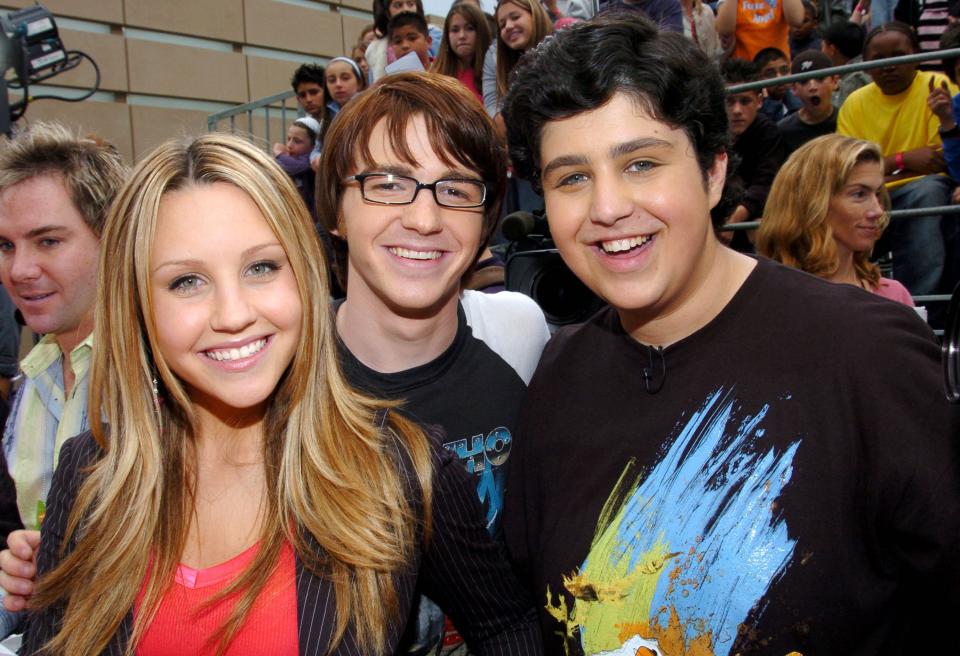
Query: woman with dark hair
x: 342, y: 81
x: 466, y: 38
x: 826, y: 211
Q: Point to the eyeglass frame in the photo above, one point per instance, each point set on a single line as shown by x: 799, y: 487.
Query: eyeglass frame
x: 432, y: 186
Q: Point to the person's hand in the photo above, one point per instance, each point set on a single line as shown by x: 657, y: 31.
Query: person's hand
x: 941, y: 104
x: 18, y: 568
x: 955, y: 196
x: 279, y: 149
x: 924, y: 160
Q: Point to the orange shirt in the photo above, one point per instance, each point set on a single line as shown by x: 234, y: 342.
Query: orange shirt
x: 179, y: 629
x: 760, y: 24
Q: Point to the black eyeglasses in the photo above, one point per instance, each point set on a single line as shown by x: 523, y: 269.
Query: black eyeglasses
x: 390, y: 189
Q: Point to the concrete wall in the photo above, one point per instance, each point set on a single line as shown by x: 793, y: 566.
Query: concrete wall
x: 166, y: 65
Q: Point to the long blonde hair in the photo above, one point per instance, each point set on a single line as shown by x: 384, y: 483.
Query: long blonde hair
x: 795, y: 229
x: 507, y: 57
x: 332, y: 475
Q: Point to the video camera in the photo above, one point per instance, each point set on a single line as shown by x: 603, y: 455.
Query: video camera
x: 534, y: 267
x: 31, y: 48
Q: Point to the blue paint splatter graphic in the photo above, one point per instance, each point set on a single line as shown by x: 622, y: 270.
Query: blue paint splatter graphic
x: 689, y: 551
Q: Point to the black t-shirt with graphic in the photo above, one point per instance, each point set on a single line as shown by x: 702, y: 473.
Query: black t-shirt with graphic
x: 791, y: 487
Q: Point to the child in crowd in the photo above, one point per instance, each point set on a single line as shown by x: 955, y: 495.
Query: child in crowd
x: 806, y: 36
x: 357, y: 54
x: 756, y: 141
x: 522, y: 24
x: 843, y: 43
x: 466, y: 38
x: 893, y: 112
x: 407, y: 33
x: 947, y: 109
x: 343, y: 80
x: 294, y: 157
x: 817, y: 115
x: 754, y: 26
x: 778, y: 101
x: 367, y: 36
x: 379, y: 52
x: 700, y: 26
x: 826, y: 211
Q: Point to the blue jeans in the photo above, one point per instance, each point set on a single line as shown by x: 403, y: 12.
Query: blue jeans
x: 917, y: 242
x: 881, y: 11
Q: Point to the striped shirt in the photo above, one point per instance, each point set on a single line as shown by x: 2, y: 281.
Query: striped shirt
x: 42, y: 418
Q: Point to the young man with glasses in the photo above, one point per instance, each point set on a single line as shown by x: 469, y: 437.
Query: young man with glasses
x: 411, y: 182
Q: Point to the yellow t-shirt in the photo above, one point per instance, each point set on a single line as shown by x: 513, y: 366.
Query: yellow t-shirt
x: 896, y: 123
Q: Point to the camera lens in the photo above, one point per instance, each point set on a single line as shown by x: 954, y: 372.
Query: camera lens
x: 951, y: 349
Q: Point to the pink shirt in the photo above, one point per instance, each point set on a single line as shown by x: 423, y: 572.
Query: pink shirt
x: 894, y: 291
x: 465, y: 75
x: 178, y: 628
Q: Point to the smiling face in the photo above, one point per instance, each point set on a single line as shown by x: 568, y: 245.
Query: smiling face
x: 516, y: 26
x: 628, y: 207
x: 407, y: 260
x: 855, y: 211
x: 463, y: 38
x: 342, y: 82
x: 226, y: 307
x: 891, y: 79
x: 48, y: 259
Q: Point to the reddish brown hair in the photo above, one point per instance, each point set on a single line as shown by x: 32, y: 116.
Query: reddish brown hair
x: 458, y: 127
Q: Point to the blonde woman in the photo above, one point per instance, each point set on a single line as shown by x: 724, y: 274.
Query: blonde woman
x: 237, y: 496
x: 825, y: 212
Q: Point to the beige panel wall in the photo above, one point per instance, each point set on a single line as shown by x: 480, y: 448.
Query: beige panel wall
x: 108, y: 11
x: 352, y: 26
x: 364, y: 5
x: 109, y: 53
x: 292, y: 27
x: 108, y: 120
x: 267, y: 77
x: 216, y: 19
x: 170, y: 70
x: 154, y: 125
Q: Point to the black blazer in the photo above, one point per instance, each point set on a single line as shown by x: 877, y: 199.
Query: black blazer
x: 462, y: 570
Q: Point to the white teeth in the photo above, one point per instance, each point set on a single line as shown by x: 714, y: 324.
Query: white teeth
x: 415, y: 255
x: 244, y: 351
x: 620, y: 245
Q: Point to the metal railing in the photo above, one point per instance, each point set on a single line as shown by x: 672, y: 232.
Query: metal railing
x: 256, y: 111
x: 845, y: 68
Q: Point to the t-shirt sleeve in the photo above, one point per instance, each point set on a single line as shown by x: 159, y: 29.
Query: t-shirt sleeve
x: 490, y: 101
x: 467, y: 574
x: 912, y: 464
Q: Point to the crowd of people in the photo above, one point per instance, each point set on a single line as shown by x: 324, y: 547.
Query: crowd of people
x: 271, y: 411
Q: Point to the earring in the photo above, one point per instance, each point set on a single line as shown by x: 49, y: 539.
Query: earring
x: 156, y: 397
